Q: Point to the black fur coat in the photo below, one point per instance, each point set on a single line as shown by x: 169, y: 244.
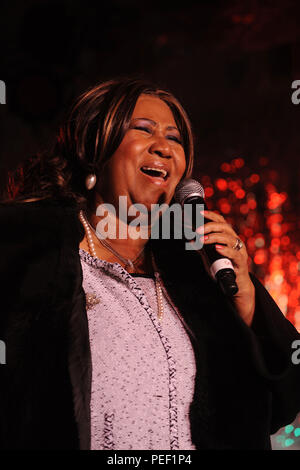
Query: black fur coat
x: 246, y: 385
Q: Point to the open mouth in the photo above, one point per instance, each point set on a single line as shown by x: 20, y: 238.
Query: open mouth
x: 155, y: 172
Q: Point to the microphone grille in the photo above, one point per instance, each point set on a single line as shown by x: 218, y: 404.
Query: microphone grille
x: 187, y: 188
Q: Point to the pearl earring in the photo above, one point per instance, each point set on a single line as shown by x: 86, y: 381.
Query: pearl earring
x: 90, y: 181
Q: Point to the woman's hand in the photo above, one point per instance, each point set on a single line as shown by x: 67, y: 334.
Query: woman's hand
x: 220, y: 232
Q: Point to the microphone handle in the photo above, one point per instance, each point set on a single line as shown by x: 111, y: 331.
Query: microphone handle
x: 221, y: 267
x: 224, y: 276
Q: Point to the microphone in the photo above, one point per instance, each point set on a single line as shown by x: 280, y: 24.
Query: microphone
x: 191, y: 192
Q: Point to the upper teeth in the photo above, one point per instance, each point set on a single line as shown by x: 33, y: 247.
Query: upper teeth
x: 161, y: 170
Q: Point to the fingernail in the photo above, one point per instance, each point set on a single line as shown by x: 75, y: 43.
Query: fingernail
x: 206, y: 237
x: 220, y: 247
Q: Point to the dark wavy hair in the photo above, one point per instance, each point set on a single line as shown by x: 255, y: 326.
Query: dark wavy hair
x: 91, y: 133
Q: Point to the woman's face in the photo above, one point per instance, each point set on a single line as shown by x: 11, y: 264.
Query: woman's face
x: 150, y: 161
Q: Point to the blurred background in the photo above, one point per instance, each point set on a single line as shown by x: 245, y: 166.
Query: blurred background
x: 230, y: 63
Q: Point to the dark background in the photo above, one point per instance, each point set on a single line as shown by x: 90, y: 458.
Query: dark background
x: 231, y: 63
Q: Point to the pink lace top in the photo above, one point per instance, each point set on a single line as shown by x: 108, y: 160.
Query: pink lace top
x: 143, y: 371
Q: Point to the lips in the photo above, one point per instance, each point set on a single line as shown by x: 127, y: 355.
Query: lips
x: 156, y: 171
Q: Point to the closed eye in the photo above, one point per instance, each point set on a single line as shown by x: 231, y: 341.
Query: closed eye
x: 176, y: 139
x: 146, y: 129
x: 141, y: 128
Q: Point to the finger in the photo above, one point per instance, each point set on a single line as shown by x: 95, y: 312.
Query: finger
x: 238, y: 259
x: 220, y: 237
x: 216, y: 227
x: 226, y: 240
x: 213, y: 216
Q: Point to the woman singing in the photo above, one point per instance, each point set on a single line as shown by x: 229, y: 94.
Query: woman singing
x: 126, y: 342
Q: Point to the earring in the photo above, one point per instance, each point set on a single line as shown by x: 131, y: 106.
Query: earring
x: 90, y: 181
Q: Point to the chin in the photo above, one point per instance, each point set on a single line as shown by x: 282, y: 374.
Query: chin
x: 155, y: 199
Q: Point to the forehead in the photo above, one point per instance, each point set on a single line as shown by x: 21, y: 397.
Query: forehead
x: 151, y: 107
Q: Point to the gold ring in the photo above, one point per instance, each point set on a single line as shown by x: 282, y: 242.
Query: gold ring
x: 238, y: 244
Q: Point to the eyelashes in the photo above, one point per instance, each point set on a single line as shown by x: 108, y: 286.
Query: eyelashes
x: 141, y: 128
x: 176, y: 139
x: 149, y: 131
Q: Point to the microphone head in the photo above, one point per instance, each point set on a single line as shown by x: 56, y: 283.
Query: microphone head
x: 188, y: 188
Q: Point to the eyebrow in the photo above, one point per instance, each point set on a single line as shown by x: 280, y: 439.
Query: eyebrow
x: 155, y: 123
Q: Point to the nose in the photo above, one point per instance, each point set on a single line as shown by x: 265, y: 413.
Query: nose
x: 161, y: 148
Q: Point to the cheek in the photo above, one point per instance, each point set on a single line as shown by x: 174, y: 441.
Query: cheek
x: 181, y: 166
x: 133, y: 151
x: 130, y: 149
x: 124, y: 158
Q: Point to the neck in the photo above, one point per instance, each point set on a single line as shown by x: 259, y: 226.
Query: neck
x: 123, y: 237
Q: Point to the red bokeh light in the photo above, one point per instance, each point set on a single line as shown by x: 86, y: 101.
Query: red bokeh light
x: 244, y: 209
x: 260, y: 257
x: 238, y: 162
x: 261, y: 215
x: 285, y: 240
x: 224, y: 206
x: 252, y: 204
x: 240, y: 194
x: 254, y: 178
x: 221, y: 184
x: 209, y: 191
x: 226, y: 167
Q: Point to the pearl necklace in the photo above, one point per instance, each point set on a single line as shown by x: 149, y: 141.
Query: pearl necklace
x: 126, y: 261
x: 92, y: 250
